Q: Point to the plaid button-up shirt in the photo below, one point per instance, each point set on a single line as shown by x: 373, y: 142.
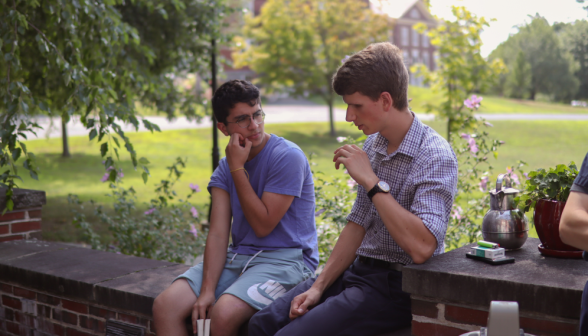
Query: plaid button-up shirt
x: 422, y: 174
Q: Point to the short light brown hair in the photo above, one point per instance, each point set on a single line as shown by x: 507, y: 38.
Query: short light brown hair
x: 377, y: 68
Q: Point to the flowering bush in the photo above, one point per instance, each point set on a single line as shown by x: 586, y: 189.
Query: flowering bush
x: 166, y: 231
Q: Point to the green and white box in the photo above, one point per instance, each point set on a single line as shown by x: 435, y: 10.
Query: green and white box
x: 490, y: 253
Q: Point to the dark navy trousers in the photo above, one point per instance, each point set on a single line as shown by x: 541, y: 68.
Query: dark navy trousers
x: 364, y: 300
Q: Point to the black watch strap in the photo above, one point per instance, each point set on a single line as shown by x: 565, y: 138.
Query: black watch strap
x: 376, y: 189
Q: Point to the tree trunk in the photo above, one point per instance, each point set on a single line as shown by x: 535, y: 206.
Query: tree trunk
x: 532, y: 96
x: 65, y: 153
x: 449, y: 122
x: 331, y: 118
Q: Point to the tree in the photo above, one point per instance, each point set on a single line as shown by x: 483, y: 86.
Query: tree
x: 551, y: 69
x: 97, y: 60
x: 574, y: 38
x: 298, y: 45
x: 519, y: 79
x: 461, y: 69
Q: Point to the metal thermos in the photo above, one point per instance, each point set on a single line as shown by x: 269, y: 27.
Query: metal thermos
x: 504, y: 223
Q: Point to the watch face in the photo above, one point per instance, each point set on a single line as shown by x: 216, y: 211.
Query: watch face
x: 384, y: 186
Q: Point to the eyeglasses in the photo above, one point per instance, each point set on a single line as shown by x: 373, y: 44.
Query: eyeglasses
x: 245, y: 120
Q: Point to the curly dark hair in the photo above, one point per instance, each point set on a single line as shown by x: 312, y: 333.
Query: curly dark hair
x: 377, y: 68
x: 231, y: 93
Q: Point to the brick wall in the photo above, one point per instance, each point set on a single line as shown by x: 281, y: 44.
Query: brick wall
x: 450, y: 319
x: 20, y: 224
x: 28, y: 312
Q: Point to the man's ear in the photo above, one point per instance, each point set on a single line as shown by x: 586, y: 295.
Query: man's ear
x: 223, y: 128
x: 387, y: 101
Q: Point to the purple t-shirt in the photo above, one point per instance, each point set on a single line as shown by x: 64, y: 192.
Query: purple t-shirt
x: 282, y: 168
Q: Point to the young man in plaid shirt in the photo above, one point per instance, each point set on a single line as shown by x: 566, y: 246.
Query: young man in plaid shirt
x: 407, y: 176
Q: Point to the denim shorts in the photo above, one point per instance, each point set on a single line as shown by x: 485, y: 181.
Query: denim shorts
x: 256, y: 279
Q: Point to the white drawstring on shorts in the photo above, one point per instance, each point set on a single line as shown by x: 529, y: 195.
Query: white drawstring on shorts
x: 247, y: 264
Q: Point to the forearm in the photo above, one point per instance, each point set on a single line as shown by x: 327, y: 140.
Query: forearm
x: 253, y: 208
x: 262, y: 214
x: 407, y: 229
x: 215, y: 254
x: 573, y: 228
x: 217, y: 241
x: 342, y: 256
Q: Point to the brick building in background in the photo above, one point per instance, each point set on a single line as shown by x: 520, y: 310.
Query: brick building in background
x: 404, y: 14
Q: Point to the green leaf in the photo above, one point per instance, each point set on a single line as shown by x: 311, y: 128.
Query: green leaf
x: 24, y: 106
x: 143, y: 161
x: 145, y: 177
x: 104, y: 149
x: 7, y: 57
x: 16, y: 153
x: 90, y: 123
x: 24, y: 147
x: 93, y: 134
x: 108, y: 163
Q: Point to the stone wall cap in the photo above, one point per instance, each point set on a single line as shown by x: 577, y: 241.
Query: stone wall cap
x: 81, y: 273
x: 24, y: 198
x: 540, y: 284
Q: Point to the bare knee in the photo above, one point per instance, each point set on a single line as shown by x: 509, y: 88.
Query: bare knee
x: 228, y: 315
x: 159, y: 305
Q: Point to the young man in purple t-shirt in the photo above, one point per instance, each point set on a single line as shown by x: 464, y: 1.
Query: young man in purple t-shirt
x: 263, y: 196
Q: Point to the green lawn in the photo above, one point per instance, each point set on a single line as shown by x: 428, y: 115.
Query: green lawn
x: 541, y: 144
x: 490, y: 104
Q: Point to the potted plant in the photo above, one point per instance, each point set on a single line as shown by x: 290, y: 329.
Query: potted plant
x: 546, y: 192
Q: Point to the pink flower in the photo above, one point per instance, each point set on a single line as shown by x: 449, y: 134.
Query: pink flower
x: 471, y: 142
x: 488, y: 124
x: 513, y: 175
x: 457, y: 211
x: 473, y: 102
x: 483, y: 183
x: 195, y: 187
x: 194, y: 212
x: 318, y: 213
x: 526, y: 176
x: 150, y: 211
x: 351, y: 183
x: 193, y: 230
x: 107, y: 174
x: 345, y: 59
x: 473, y: 146
x: 341, y: 139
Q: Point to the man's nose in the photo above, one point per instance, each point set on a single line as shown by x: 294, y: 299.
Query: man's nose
x: 349, y: 115
x: 252, y: 124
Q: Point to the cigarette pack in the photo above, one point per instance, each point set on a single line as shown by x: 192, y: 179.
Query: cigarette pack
x: 491, y: 253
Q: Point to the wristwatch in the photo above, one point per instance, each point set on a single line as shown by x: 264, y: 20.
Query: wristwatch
x: 380, y: 187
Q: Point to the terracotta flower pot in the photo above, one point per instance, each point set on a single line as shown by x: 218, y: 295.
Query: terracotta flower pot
x: 546, y: 218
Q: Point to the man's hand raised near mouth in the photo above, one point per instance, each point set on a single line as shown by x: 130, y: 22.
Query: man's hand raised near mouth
x: 237, y: 151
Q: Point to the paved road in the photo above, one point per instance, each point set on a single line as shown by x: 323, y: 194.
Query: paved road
x: 278, y: 114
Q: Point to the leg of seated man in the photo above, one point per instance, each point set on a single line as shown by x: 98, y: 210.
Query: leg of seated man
x: 367, y: 304
x: 171, y: 308
x: 228, y: 314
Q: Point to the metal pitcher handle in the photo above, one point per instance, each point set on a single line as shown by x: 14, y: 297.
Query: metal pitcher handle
x: 506, y: 179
